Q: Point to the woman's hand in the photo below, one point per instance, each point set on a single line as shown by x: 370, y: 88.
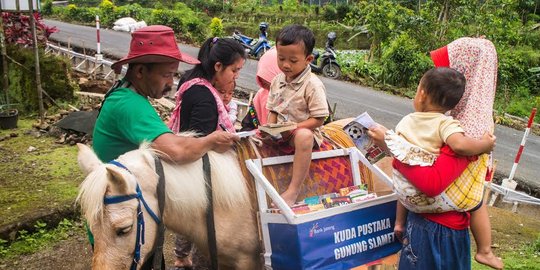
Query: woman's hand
x: 222, y: 140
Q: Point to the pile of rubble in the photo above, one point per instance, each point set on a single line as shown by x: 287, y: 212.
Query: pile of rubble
x: 8, y: 136
x: 72, y: 132
x: 65, y: 136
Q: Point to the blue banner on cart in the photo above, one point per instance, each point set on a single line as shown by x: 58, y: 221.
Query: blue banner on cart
x: 342, y: 241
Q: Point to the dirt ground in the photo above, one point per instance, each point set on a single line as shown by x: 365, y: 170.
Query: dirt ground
x: 75, y: 253
x: 510, y: 232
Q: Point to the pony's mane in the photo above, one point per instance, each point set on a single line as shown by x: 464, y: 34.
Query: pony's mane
x: 185, y: 184
x: 92, y: 190
x: 186, y: 187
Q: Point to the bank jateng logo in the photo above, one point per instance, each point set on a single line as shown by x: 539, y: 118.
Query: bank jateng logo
x: 316, y: 229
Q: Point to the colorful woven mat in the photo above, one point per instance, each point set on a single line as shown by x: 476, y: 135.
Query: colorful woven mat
x: 325, y: 175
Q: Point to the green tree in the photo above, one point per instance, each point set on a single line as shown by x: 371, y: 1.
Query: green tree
x: 382, y: 18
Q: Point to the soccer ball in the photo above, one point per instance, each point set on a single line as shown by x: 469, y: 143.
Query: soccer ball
x: 355, y: 132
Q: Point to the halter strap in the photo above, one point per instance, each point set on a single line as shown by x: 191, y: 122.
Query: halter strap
x: 210, y: 223
x: 158, y: 262
x: 118, y: 164
x: 140, y: 216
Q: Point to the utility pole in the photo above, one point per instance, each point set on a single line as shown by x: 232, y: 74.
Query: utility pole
x: 36, y: 54
x: 4, y: 61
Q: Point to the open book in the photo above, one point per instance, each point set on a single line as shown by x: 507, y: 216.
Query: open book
x: 357, y: 130
x: 276, y: 129
x: 244, y: 134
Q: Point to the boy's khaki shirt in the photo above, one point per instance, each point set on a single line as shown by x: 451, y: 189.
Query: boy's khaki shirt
x: 298, y: 100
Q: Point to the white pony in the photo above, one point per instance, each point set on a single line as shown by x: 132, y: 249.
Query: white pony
x: 114, y: 226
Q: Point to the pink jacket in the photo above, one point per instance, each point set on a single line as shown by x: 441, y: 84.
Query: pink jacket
x: 267, y: 69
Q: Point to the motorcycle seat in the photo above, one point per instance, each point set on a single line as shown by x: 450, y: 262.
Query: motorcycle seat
x: 246, y: 38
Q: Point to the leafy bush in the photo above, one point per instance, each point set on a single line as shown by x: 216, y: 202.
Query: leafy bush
x: 342, y: 11
x: 17, y: 29
x: 27, y: 243
x: 211, y: 7
x: 356, y: 65
x: 55, y: 78
x: 134, y: 11
x: 47, y: 8
x: 290, y: 5
x: 402, y: 62
x: 383, y: 19
x: 520, y: 104
x: 216, y: 27
x: 183, y: 21
x: 88, y: 16
x: 514, y: 66
x: 85, y: 3
x: 107, y: 13
x: 330, y: 13
x: 71, y: 13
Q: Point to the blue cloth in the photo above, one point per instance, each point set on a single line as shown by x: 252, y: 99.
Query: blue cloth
x: 431, y: 246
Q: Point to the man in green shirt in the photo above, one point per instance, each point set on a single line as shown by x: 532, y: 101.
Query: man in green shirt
x: 127, y: 118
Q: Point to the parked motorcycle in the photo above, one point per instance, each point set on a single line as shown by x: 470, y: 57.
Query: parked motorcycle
x: 254, y: 47
x: 327, y: 65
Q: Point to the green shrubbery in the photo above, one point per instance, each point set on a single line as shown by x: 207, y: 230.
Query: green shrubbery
x: 134, y: 11
x: 216, y: 28
x: 55, y: 78
x: 183, y: 20
x: 403, y: 63
x: 28, y: 243
x: 186, y: 22
x: 21, y: 63
x: 47, y: 8
x: 400, y: 34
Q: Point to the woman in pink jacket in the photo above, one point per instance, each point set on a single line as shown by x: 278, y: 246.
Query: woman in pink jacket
x: 267, y: 69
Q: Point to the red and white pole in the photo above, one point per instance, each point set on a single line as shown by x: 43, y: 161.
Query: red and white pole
x: 99, y: 57
x: 522, y: 145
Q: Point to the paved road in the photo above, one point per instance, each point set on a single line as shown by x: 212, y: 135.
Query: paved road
x: 351, y: 99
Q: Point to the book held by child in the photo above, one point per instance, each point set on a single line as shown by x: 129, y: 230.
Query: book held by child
x: 357, y: 130
x: 276, y: 129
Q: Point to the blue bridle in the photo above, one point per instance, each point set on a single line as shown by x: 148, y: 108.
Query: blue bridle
x: 140, y: 217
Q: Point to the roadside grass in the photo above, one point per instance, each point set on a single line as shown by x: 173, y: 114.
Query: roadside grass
x: 516, y: 239
x: 30, y: 182
x: 28, y: 243
x: 526, y: 257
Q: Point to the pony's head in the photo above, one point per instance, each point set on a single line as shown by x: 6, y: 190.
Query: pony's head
x: 109, y: 202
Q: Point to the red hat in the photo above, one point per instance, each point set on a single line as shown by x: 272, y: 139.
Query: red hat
x: 440, y: 57
x: 153, y: 44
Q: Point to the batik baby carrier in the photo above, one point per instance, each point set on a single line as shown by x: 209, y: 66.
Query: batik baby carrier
x: 476, y: 58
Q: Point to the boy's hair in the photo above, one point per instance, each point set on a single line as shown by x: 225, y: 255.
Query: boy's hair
x: 444, y: 86
x: 294, y: 34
